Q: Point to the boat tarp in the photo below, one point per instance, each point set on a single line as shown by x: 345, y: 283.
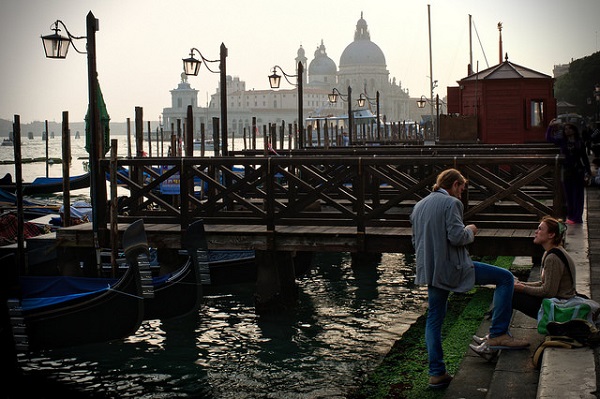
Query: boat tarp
x: 40, y: 291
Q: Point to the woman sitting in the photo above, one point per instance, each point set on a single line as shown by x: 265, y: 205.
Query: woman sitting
x: 557, y: 272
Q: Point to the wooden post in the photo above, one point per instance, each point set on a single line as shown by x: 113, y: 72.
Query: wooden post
x: 178, y: 144
x: 66, y: 161
x: 276, y: 286
x: 162, y: 142
x: 138, y: 175
x: 173, y: 151
x: 202, y: 139
x: 149, y: 140
x: 189, y: 133
x: 254, y: 130
x: 319, y: 135
x: 216, y: 145
x: 114, y: 211
x: 129, y: 140
x: 266, y: 139
x: 139, y: 131
x: 20, y: 260
x: 46, y: 143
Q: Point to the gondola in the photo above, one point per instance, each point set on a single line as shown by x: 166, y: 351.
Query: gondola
x: 45, y: 185
x: 98, y: 311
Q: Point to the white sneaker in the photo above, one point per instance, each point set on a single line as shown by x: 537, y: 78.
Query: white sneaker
x: 480, y: 340
x: 484, y: 351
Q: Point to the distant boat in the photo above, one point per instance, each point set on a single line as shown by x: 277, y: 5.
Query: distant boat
x: 8, y: 142
x: 208, y: 145
x: 46, y: 185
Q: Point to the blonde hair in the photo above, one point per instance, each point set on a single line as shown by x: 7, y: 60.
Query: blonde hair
x: 447, y: 178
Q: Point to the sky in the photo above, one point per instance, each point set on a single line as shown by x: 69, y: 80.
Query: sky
x: 141, y: 43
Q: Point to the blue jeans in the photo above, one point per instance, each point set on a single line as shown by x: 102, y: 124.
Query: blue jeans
x: 438, y: 300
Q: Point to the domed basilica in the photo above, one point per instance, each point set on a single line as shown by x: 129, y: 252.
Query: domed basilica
x: 362, y: 67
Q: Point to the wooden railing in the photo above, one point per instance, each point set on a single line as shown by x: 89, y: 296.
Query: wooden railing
x: 504, y: 191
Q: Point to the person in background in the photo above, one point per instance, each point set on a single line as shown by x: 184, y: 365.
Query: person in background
x: 575, y: 168
x: 443, y: 263
x: 594, y: 179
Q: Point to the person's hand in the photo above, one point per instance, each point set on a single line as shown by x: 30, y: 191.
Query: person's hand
x: 518, y: 286
x: 473, y: 228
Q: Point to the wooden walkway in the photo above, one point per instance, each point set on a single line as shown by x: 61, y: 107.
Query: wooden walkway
x: 344, y: 200
x: 489, y: 241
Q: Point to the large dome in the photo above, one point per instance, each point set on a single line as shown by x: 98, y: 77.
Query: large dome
x: 362, y: 51
x: 321, y: 64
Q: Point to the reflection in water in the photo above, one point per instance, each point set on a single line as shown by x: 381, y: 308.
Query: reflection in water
x: 349, y: 314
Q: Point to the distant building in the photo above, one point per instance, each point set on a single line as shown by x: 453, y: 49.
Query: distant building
x: 560, y: 70
x: 362, y: 67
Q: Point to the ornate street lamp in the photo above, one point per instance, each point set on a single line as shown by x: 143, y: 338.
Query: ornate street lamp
x: 348, y: 98
x: 421, y: 104
x: 57, y: 46
x: 362, y: 99
x: 275, y: 80
x: 191, y: 66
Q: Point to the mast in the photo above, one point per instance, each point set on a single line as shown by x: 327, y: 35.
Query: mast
x: 430, y: 67
x: 500, y: 43
x: 470, y: 69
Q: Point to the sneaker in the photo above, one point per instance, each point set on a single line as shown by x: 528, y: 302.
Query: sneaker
x: 484, y: 351
x: 569, y: 221
x: 440, y: 381
x: 480, y: 340
x: 507, y: 341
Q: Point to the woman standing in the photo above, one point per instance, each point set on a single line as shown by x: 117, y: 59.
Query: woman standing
x: 576, y: 166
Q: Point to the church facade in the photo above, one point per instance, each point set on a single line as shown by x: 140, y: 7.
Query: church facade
x: 362, y: 67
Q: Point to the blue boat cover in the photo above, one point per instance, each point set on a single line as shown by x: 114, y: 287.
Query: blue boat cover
x: 39, y: 291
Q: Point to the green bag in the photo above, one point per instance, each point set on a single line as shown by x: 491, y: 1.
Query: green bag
x: 561, y: 310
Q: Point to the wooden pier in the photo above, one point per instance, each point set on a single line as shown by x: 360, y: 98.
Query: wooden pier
x: 344, y: 200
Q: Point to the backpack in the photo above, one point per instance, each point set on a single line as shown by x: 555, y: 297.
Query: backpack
x: 563, y: 310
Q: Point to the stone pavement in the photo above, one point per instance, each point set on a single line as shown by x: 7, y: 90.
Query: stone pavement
x: 564, y: 373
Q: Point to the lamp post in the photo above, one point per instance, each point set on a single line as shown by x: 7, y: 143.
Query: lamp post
x: 191, y: 66
x: 361, y: 103
x: 275, y: 81
x: 348, y: 98
x: 56, y: 47
x: 421, y: 104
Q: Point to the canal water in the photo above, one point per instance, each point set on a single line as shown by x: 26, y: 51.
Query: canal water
x: 348, y: 316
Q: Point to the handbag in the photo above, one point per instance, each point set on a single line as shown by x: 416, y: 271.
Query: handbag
x: 562, y: 310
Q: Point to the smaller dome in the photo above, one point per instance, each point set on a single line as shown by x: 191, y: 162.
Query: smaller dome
x: 301, y: 52
x: 322, y: 64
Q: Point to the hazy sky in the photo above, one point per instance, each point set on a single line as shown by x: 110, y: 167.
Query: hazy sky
x: 141, y: 43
